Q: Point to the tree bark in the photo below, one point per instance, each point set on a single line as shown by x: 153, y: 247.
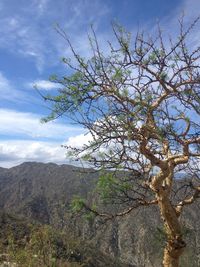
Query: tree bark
x: 172, y: 253
x: 175, y: 244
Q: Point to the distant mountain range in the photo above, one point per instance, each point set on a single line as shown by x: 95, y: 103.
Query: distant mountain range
x: 42, y: 193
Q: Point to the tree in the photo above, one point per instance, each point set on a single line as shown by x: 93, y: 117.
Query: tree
x: 140, y: 103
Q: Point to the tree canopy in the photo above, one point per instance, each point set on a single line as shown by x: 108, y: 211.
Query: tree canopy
x: 140, y: 103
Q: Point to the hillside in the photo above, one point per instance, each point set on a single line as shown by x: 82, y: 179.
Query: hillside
x: 42, y: 193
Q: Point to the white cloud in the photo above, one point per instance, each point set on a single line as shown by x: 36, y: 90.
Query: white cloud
x: 44, y: 85
x: 79, y: 141
x: 14, y: 152
x: 14, y: 123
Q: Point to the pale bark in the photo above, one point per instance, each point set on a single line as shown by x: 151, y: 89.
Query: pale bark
x: 175, y: 244
x: 172, y: 255
x: 161, y: 184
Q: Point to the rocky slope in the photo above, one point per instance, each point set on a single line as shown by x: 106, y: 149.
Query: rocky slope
x: 43, y: 192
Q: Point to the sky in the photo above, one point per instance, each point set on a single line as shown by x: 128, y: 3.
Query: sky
x: 31, y: 51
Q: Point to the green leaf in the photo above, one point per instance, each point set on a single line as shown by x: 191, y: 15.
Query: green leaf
x: 77, y: 204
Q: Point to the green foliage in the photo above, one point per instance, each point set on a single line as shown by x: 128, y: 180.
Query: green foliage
x: 163, y: 76
x: 105, y: 184
x: 89, y: 216
x: 53, y: 77
x: 118, y: 75
x: 77, y: 204
x: 111, y: 186
x: 86, y: 157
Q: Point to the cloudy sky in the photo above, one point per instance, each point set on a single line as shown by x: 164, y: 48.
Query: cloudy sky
x: 31, y: 49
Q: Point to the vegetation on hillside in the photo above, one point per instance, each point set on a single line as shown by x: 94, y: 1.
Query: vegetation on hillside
x: 33, y: 245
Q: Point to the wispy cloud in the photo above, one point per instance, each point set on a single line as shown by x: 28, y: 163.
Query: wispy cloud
x: 30, y: 32
x: 190, y: 8
x: 4, y: 84
x: 187, y: 9
x: 8, y: 92
x: 41, y: 5
x: 44, y: 85
x: 12, y: 95
x: 27, y: 125
x: 18, y: 36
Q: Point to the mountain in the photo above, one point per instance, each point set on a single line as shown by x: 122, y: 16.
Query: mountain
x: 42, y: 193
x: 34, y: 189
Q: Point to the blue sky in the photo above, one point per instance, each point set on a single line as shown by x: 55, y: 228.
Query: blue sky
x: 30, y: 51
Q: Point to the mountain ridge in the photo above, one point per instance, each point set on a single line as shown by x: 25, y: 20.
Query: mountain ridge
x: 42, y: 192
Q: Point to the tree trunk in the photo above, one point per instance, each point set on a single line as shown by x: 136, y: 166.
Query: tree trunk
x: 172, y: 253
x: 175, y: 244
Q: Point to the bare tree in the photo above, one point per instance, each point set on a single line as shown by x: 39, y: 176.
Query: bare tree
x: 140, y: 103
